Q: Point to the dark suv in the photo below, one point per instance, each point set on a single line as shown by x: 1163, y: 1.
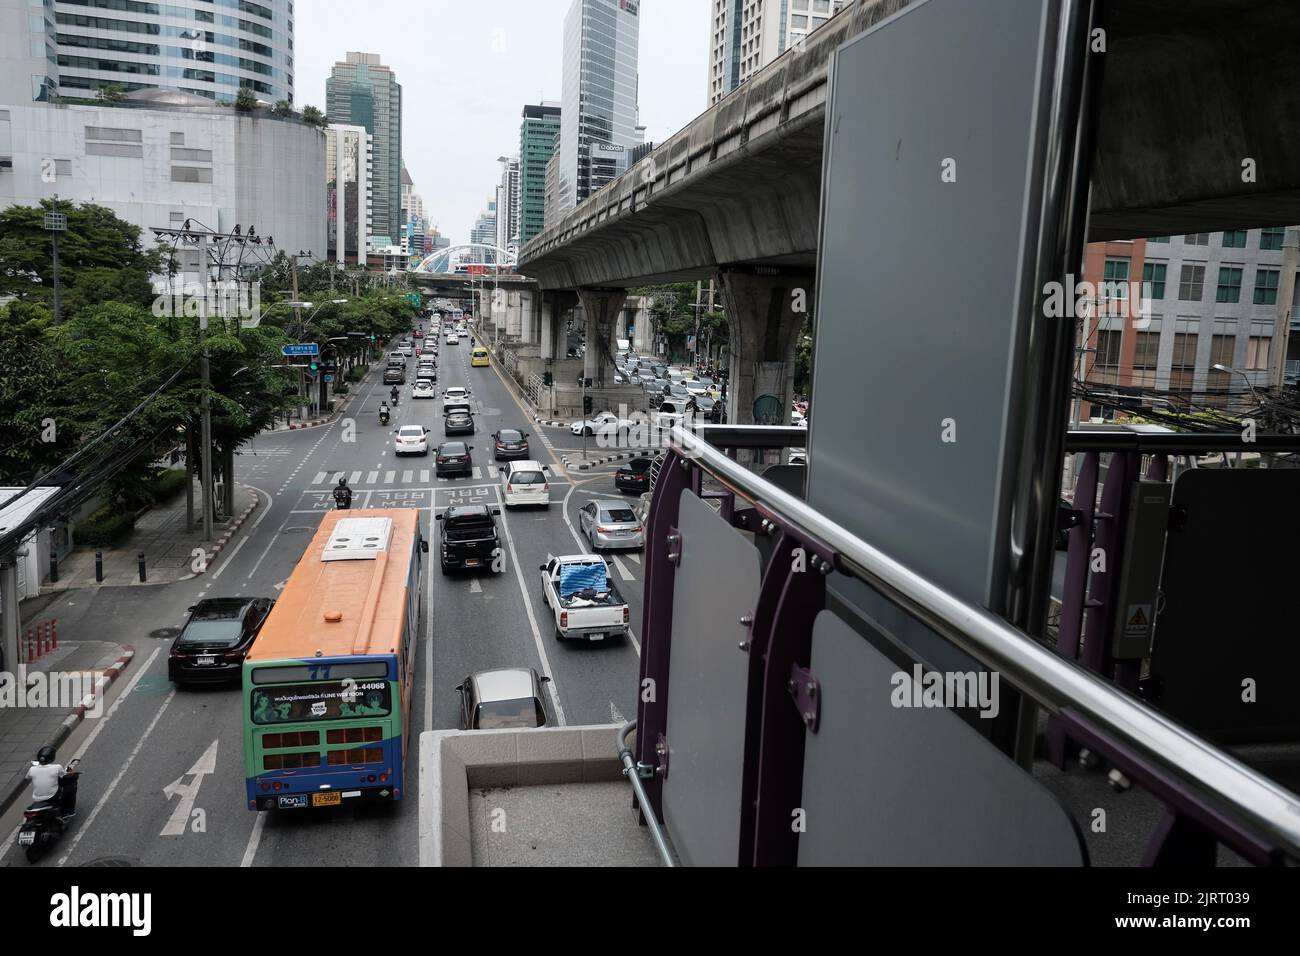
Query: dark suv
x: 510, y: 444
x: 468, y: 537
x: 216, y: 638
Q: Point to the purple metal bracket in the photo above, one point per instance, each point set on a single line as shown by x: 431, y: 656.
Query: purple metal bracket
x: 674, y: 542
x: 807, y: 693
x: 661, y: 752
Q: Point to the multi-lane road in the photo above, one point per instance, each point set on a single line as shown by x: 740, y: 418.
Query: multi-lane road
x: 163, y: 779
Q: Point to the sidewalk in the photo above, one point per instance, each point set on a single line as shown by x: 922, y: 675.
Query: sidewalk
x: 168, y: 548
x: 27, y: 722
x: 340, y: 405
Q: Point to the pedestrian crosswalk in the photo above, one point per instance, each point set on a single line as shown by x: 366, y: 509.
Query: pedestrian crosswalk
x: 415, y: 477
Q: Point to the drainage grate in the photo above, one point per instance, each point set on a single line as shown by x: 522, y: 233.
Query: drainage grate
x: 165, y: 633
x: 113, y: 861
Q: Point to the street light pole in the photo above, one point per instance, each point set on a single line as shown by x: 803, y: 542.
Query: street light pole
x: 205, y: 377
x: 55, y: 223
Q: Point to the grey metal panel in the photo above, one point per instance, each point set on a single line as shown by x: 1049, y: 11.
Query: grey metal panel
x: 1229, y: 613
x: 920, y: 281
x: 716, y: 583
x: 886, y: 785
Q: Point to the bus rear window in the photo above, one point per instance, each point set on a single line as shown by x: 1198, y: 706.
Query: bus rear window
x: 327, y: 700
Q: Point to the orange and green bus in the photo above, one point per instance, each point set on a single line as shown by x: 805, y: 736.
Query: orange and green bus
x: 327, y: 684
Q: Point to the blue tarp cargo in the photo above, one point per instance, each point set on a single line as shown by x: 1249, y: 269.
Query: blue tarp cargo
x: 575, y: 577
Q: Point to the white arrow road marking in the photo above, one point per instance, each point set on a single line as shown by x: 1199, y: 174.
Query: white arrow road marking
x: 615, y: 716
x: 280, y: 586
x: 634, y: 559
x: 475, y: 587
x: 180, y: 817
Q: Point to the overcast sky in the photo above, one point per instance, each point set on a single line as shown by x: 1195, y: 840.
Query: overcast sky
x: 468, y: 68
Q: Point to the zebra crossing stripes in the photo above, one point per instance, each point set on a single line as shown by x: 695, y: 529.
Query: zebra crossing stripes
x: 372, y: 477
x: 389, y: 476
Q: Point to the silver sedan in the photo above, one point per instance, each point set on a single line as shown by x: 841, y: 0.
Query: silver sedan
x: 611, y: 524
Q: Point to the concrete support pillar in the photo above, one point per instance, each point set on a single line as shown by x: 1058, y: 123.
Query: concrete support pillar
x: 548, y: 320
x: 643, y: 328
x: 514, y: 315
x: 765, y: 315
x: 601, y: 307
x: 527, y: 317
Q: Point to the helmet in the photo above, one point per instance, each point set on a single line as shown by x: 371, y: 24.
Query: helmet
x: 343, y: 482
x: 46, y: 755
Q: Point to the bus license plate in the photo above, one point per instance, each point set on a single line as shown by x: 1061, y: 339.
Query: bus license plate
x: 205, y: 660
x: 26, y: 837
x: 292, y: 802
x: 326, y: 799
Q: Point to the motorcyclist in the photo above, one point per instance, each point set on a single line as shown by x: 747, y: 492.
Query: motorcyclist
x: 383, y: 413
x: 343, y: 495
x: 392, y: 393
x: 46, y: 775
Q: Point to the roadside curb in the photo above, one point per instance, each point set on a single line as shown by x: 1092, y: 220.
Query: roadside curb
x: 75, y: 717
x: 550, y: 423
x: 229, y: 533
x: 595, y: 462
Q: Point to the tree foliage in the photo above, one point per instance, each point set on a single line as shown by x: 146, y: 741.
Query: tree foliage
x: 245, y: 100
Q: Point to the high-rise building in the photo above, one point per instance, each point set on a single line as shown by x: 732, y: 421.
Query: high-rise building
x: 536, y: 145
x: 77, y: 47
x: 361, y: 91
x: 484, y: 233
x: 598, y: 122
x: 508, y: 204
x: 747, y: 35
x: 349, y: 169
x: 551, y: 204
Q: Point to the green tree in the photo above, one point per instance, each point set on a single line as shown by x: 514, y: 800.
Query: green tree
x: 101, y: 257
x: 31, y: 383
x: 315, y: 117
x: 245, y: 100
x: 112, y: 93
x: 283, y: 108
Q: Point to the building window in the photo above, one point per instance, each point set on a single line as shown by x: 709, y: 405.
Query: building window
x: 1164, y: 239
x: 1146, y: 356
x: 1257, y: 350
x: 1234, y: 239
x: 1218, y: 384
x: 178, y: 139
x: 1229, y: 285
x: 191, y: 174
x: 1197, y: 239
x: 1114, y: 282
x: 1191, y: 283
x: 1271, y: 238
x: 1182, y: 366
x: 1266, y: 286
x: 1153, y: 279
x: 799, y: 22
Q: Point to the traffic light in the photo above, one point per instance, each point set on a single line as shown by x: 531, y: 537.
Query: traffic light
x: 372, y: 336
x: 331, y: 365
x: 314, y: 367
x: 586, y: 405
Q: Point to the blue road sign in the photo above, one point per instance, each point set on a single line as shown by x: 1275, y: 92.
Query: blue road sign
x: 305, y: 348
x: 329, y: 378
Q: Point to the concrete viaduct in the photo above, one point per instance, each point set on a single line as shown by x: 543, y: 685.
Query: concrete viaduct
x: 735, y: 195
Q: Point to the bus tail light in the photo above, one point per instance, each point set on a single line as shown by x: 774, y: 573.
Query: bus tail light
x: 564, y: 619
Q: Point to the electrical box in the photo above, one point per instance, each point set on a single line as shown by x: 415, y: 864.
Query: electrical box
x: 1137, y: 591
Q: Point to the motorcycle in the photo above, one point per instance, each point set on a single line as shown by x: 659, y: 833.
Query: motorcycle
x: 45, y: 820
x: 383, y: 418
x: 343, y: 502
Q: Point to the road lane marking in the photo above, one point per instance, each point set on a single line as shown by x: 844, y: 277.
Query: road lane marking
x: 407, y: 475
x: 372, y: 477
x: 634, y: 559
x: 389, y: 477
x: 320, y: 478
x: 254, y: 838
x: 180, y: 818
x: 354, y: 477
x: 475, y: 587
x: 424, y: 476
x: 103, y: 800
x: 622, y: 569
x: 532, y: 620
x: 230, y: 557
x: 478, y: 473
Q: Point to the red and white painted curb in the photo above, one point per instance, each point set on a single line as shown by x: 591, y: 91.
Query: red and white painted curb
x: 101, y: 684
x: 231, y: 528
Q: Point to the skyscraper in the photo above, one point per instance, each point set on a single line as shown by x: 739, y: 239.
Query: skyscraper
x: 349, y: 167
x: 598, y: 122
x: 361, y: 91
x: 508, y: 204
x: 747, y: 35
x: 77, y: 48
x: 536, y: 144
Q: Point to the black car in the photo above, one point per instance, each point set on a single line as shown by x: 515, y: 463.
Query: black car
x: 634, y: 477
x: 468, y: 537
x: 454, y: 459
x: 216, y: 638
x: 510, y: 444
x: 458, y: 423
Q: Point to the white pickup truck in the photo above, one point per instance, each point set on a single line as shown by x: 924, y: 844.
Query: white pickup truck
x: 585, y: 602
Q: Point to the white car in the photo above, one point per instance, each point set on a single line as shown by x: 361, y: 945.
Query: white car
x: 424, y: 389
x: 453, y: 338
x: 458, y: 392
x: 606, y: 423
x: 526, y: 484
x: 696, y: 388
x: 411, y: 440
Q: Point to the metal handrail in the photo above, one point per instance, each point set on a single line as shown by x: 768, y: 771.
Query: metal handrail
x: 1056, y: 683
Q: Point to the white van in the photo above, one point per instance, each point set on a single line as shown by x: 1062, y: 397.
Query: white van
x: 526, y: 484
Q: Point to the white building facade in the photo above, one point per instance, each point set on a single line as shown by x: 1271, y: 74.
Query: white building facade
x: 168, y: 158
x: 349, y: 186
x: 747, y: 35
